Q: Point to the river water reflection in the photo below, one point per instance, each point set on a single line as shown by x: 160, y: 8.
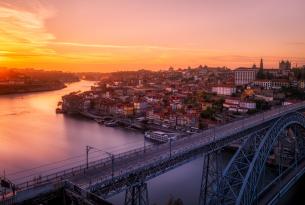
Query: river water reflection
x: 31, y: 133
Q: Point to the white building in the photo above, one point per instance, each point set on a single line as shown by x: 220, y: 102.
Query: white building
x: 236, y: 105
x: 266, y: 84
x: 279, y: 83
x: 263, y: 97
x: 224, y: 90
x: 244, y: 76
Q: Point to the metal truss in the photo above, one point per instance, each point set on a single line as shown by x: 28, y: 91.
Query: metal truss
x: 215, y: 189
x: 242, y: 181
x: 137, y: 194
x: 212, y: 169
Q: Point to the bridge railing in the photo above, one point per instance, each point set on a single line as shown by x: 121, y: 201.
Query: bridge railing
x: 204, y: 137
x: 220, y: 132
x: 34, y: 180
x: 241, y: 124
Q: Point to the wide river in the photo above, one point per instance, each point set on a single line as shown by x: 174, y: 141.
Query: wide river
x: 32, y: 135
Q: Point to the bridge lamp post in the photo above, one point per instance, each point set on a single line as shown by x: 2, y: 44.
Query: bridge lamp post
x: 88, y: 148
x: 112, y: 163
x: 170, y: 147
x: 243, y: 123
x: 144, y: 145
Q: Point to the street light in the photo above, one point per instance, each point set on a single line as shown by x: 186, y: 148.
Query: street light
x: 88, y: 148
x: 144, y: 145
x: 170, y: 146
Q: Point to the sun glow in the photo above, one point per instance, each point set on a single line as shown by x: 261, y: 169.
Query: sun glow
x: 90, y: 37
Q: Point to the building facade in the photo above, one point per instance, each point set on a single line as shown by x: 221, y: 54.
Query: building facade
x: 244, y: 76
x: 266, y: 84
x: 224, y: 90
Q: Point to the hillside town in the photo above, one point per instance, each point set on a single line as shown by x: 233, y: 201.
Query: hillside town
x: 187, y: 100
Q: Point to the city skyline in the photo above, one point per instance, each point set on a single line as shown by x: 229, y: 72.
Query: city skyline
x: 111, y: 36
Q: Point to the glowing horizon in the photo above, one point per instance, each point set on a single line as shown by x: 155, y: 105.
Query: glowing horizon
x: 98, y: 35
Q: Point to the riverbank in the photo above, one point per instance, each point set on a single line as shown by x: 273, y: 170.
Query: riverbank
x: 20, y: 89
x: 152, y: 132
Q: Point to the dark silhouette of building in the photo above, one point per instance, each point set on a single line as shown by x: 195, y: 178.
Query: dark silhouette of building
x: 285, y: 65
x: 261, y: 66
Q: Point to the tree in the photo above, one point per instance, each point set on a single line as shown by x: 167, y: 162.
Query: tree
x: 260, y: 74
x: 207, y: 96
x: 218, y: 104
x: 172, y: 201
x: 269, y: 75
x: 202, y: 124
x: 208, y: 113
x: 293, y: 93
x: 262, y: 105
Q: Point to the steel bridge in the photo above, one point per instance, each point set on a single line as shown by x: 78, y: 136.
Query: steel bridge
x: 269, y: 160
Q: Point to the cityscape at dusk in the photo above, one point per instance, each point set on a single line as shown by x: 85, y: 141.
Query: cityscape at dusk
x: 140, y: 102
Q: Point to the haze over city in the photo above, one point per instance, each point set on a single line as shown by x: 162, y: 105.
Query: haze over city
x: 104, y: 36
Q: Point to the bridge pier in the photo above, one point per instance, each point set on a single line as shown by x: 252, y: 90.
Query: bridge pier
x: 211, y: 174
x: 137, y: 194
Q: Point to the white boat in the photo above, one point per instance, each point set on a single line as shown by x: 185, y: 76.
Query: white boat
x: 159, y: 136
x: 111, y: 123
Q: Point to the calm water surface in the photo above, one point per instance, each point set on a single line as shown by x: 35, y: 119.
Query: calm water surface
x: 32, y: 134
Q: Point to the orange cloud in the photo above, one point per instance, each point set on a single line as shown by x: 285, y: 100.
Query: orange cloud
x: 80, y: 37
x: 23, y: 33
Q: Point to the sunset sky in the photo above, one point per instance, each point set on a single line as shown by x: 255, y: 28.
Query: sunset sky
x: 111, y: 35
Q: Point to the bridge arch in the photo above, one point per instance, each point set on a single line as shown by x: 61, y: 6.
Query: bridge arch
x: 241, y: 177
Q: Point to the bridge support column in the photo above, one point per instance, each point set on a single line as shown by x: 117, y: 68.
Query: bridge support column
x: 300, y: 142
x: 137, y: 195
x: 211, y: 173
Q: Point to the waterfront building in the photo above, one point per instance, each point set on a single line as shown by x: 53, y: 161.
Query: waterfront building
x: 140, y: 106
x: 128, y: 110
x: 263, y: 97
x: 301, y: 84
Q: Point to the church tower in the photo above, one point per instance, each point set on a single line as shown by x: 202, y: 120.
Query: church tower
x: 261, y: 66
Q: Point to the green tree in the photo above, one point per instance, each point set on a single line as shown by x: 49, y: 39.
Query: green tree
x: 260, y: 74
x: 293, y: 93
x: 262, y: 105
x: 209, y: 113
x: 218, y: 104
